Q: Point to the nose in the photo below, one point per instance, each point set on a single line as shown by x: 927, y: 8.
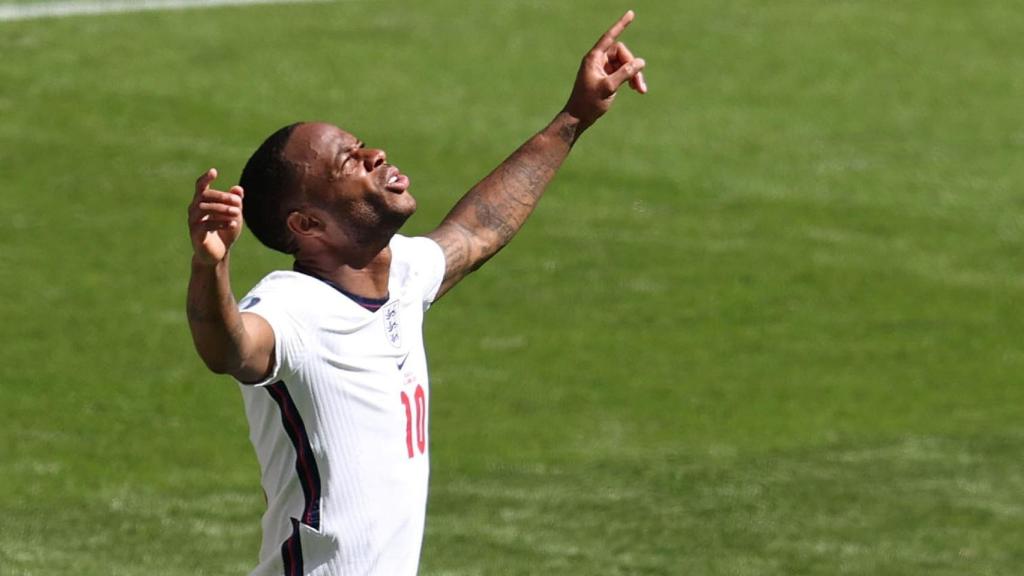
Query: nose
x: 373, y: 158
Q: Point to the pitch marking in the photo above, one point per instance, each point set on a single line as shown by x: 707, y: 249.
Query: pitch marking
x: 66, y: 9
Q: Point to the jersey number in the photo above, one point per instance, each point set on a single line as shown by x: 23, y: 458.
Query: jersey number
x: 420, y: 400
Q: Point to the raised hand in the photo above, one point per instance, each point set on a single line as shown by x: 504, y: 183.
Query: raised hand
x: 606, y: 67
x: 214, y: 219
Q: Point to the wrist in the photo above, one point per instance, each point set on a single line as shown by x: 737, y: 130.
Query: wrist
x: 569, y: 126
x: 200, y: 264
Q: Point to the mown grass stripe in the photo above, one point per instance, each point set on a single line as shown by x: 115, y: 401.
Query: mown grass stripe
x: 67, y: 9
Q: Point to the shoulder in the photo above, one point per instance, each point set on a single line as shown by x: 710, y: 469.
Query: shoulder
x: 412, y: 255
x: 283, y: 289
x: 412, y: 248
x: 419, y: 262
x: 283, y: 281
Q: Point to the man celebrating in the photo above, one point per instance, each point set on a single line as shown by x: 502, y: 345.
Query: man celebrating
x: 330, y: 355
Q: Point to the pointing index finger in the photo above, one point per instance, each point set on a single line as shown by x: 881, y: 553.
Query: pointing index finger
x: 608, y: 38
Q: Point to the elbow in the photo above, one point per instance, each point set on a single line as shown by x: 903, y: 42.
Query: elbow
x: 486, y: 251
x: 219, y: 367
x: 220, y: 364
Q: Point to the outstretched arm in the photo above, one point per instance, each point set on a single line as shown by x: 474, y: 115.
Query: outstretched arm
x: 491, y: 213
x: 228, y: 341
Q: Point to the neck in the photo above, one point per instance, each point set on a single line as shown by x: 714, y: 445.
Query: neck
x: 366, y: 276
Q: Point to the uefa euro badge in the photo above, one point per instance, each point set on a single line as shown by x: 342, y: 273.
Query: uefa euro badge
x: 392, y: 328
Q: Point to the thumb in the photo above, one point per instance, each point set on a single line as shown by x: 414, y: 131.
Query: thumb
x: 626, y: 72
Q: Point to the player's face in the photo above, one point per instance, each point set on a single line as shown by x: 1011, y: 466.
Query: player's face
x: 354, y: 184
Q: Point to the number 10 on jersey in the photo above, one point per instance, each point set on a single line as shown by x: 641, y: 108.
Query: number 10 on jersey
x: 418, y: 404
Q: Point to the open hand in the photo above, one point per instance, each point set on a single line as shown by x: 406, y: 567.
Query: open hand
x: 214, y: 219
x: 606, y: 67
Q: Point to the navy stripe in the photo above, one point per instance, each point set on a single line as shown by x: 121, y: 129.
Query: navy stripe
x: 305, y: 463
x: 291, y: 552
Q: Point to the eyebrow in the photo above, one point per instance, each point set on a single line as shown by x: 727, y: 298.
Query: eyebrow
x: 347, y: 150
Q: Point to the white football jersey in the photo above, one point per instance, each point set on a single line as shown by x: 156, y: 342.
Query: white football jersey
x: 340, y: 425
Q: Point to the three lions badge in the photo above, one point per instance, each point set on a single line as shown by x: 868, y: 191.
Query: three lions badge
x: 392, y: 327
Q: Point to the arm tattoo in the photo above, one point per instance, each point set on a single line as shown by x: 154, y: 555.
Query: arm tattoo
x: 569, y: 132
x: 498, y: 216
x: 455, y: 242
x: 199, y: 310
x: 197, y: 314
x: 494, y: 210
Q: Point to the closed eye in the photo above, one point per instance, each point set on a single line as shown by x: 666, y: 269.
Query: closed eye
x: 345, y: 154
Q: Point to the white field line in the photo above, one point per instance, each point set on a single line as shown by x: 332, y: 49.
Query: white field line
x: 66, y: 9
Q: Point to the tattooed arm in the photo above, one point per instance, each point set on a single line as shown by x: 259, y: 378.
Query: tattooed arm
x: 491, y: 213
x: 228, y: 341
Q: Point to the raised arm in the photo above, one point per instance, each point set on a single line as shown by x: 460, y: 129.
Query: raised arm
x: 491, y: 213
x: 228, y: 341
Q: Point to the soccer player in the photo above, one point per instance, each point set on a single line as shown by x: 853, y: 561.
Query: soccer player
x: 330, y: 354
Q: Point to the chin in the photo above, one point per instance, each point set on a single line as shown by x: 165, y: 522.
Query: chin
x: 394, y: 219
x: 405, y: 205
x: 412, y: 205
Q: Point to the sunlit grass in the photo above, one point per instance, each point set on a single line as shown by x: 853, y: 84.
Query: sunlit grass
x: 765, y: 322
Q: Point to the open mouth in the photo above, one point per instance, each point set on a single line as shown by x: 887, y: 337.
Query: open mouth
x: 396, y: 182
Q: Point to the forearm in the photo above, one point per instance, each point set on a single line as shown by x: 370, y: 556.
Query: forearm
x: 214, y: 319
x: 494, y: 210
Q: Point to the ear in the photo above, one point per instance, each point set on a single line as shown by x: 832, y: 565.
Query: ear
x: 304, y: 224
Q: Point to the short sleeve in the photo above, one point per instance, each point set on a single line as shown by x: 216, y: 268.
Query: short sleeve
x: 289, y: 351
x: 425, y: 262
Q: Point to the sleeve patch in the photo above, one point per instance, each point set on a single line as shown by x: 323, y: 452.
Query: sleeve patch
x: 248, y: 302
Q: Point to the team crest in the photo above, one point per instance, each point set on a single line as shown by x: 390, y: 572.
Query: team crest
x: 392, y: 327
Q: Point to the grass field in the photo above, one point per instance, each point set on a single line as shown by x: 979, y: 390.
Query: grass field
x: 766, y: 322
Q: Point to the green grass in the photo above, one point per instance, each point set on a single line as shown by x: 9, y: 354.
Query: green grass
x: 767, y: 320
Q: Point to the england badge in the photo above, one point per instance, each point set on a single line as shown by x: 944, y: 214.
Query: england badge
x: 392, y: 327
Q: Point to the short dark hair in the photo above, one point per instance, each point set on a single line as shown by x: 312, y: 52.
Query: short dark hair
x: 271, y: 183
